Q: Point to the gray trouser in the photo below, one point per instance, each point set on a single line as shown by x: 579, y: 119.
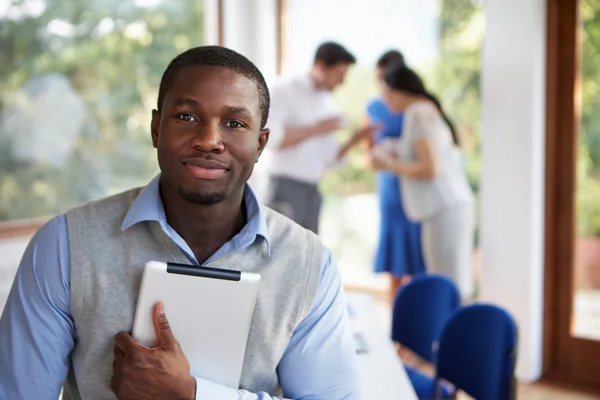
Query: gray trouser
x: 447, y: 241
x: 296, y: 200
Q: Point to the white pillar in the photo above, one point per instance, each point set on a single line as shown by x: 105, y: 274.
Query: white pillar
x: 512, y: 182
x: 250, y: 28
x: 211, y: 22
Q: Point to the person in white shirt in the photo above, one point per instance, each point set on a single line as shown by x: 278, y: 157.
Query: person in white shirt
x: 435, y: 190
x: 302, y: 146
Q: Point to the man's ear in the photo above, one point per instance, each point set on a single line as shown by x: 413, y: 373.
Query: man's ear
x: 155, y: 127
x: 263, y: 139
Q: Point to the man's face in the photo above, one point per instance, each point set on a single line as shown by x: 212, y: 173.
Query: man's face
x: 332, y: 77
x: 207, y: 134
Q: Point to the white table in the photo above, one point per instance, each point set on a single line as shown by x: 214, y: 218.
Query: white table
x: 381, y: 371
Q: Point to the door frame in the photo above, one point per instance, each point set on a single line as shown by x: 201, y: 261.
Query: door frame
x: 567, y: 359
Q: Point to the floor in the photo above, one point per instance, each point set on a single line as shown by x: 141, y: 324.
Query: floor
x: 540, y: 391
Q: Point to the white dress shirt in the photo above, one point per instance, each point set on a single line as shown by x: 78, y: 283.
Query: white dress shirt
x: 297, y: 103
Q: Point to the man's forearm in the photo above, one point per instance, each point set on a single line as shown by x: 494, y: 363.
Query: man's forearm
x: 345, y: 148
x: 210, y: 390
x: 294, y: 136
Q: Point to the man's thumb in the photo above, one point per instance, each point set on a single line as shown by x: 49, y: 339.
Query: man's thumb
x: 164, y: 335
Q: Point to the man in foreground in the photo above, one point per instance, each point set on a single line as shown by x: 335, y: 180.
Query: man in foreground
x: 71, y: 306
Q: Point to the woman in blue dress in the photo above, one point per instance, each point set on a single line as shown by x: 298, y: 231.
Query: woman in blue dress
x: 399, y: 250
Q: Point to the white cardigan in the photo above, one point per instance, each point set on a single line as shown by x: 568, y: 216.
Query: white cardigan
x: 425, y: 198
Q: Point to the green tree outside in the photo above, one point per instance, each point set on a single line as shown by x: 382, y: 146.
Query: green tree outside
x: 112, y: 55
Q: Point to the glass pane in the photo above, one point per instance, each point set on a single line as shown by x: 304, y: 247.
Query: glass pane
x: 586, y: 311
x: 78, y: 81
x: 446, y: 54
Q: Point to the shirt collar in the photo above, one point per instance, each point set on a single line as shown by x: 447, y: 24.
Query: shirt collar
x: 148, y: 206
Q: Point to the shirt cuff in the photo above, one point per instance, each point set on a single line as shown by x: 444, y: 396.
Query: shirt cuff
x: 210, y: 390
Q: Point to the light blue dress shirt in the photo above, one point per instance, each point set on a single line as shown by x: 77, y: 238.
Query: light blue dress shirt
x: 37, y: 333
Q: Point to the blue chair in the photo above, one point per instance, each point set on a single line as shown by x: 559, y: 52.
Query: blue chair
x: 477, y: 352
x: 421, y: 309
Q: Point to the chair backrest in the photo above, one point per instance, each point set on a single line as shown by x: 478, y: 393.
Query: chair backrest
x: 421, y: 309
x: 478, y: 351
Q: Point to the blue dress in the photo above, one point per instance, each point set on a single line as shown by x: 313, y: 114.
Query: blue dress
x: 399, y: 251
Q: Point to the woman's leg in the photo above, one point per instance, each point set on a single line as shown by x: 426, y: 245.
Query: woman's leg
x: 464, y: 248
x: 447, y: 241
x: 430, y: 244
x: 396, y: 282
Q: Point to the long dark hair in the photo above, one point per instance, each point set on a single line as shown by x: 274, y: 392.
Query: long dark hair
x: 399, y: 77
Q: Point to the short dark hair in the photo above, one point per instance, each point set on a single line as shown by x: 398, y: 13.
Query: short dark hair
x: 400, y: 77
x: 220, y: 57
x: 390, y: 57
x: 331, y: 53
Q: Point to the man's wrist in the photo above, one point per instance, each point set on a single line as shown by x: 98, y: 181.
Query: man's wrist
x: 188, y: 389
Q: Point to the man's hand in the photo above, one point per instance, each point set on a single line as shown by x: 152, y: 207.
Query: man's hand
x: 358, y: 136
x: 161, y: 372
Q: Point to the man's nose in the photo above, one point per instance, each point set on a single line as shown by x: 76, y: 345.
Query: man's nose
x: 208, y: 139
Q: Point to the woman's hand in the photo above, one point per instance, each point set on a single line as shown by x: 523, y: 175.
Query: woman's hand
x: 382, y: 162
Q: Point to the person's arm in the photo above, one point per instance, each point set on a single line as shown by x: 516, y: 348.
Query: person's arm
x: 36, y: 328
x: 368, y: 142
x: 283, y: 136
x: 320, y: 360
x: 294, y: 136
x: 426, y: 164
x: 364, y: 133
x: 425, y: 167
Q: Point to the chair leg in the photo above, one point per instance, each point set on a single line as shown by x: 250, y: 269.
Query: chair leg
x: 513, y: 388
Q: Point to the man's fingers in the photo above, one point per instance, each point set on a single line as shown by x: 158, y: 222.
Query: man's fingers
x: 125, y: 343
x: 164, y: 335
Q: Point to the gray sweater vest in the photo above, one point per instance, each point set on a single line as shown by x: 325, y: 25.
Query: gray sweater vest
x: 106, y: 268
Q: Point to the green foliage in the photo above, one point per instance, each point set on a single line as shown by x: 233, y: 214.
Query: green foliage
x: 113, y: 54
x: 588, y: 163
x: 588, y: 195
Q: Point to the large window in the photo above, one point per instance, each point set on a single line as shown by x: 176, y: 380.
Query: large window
x: 78, y: 80
x: 439, y: 38
x: 586, y: 322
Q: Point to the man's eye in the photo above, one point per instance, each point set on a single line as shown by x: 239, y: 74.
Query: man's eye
x: 186, y: 117
x: 234, y: 124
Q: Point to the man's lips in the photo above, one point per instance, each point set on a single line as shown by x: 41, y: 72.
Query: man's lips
x: 205, y: 169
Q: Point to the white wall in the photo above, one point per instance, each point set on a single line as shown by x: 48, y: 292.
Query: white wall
x: 512, y: 183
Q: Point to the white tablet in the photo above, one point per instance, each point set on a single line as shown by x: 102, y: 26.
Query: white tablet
x: 209, y: 310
